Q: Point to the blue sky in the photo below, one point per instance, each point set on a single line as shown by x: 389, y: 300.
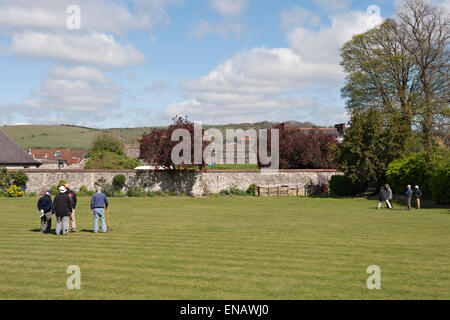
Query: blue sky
x: 138, y: 63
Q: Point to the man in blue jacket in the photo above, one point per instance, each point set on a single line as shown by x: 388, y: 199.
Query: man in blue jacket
x: 99, y: 202
x: 409, y: 196
x: 44, y: 206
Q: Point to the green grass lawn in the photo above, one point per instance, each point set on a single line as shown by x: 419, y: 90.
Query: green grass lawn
x: 229, y: 248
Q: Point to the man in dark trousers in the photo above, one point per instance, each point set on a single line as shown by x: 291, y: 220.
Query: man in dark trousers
x: 62, y: 207
x: 383, y: 197
x: 73, y: 197
x: 409, y: 196
x: 44, y: 206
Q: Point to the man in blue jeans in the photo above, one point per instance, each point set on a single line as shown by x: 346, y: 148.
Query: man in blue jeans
x: 98, y: 204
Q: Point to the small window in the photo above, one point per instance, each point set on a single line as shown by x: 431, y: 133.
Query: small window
x: 57, y: 154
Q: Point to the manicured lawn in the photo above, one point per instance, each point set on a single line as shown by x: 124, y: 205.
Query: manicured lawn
x: 229, y: 248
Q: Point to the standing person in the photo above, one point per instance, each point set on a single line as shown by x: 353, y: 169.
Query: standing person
x: 62, y: 207
x: 99, y: 202
x: 418, y: 194
x: 44, y: 206
x: 390, y: 196
x: 383, y: 197
x: 409, y: 196
x: 73, y: 197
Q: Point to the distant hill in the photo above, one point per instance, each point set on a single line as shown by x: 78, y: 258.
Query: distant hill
x: 74, y: 137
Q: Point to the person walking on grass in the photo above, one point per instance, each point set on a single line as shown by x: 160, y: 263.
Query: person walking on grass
x: 62, y: 207
x: 44, y: 206
x: 73, y: 197
x: 409, y: 196
x: 99, y: 202
x: 390, y: 196
x: 418, y: 195
x: 383, y: 197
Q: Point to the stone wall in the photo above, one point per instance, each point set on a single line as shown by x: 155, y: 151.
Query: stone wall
x: 192, y: 183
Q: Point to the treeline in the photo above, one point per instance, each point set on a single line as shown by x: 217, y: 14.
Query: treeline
x: 397, y: 96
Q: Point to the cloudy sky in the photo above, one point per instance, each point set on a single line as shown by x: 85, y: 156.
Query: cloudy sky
x: 140, y: 62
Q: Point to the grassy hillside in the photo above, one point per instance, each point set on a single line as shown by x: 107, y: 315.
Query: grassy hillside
x: 73, y: 137
x: 69, y: 137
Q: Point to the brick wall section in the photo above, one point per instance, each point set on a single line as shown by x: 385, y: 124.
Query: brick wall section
x: 192, y: 183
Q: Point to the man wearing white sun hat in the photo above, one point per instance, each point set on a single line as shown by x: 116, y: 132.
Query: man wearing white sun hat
x: 62, y: 207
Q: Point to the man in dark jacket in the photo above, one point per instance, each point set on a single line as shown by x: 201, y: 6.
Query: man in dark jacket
x: 73, y: 197
x: 383, y: 197
x: 62, y: 207
x: 418, y: 194
x: 44, y: 206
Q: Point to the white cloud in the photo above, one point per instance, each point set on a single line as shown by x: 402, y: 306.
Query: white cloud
x: 96, y: 16
x: 80, y: 72
x: 323, y: 45
x: 301, y: 82
x: 333, y: 4
x: 75, y: 95
x: 230, y: 8
x: 225, y: 29
x: 157, y: 86
x: 297, y: 17
x: 97, y: 48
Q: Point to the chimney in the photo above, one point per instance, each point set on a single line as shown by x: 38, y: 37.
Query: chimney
x: 340, y: 128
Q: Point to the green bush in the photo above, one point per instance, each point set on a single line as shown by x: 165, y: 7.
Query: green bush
x: 342, y: 186
x: 106, y: 142
x: 108, y: 190
x: 110, y: 161
x: 409, y: 171
x: 440, y: 185
x: 54, y: 189
x: 20, y: 178
x: 119, y: 181
x: 252, y: 190
x: 6, y: 179
x: 84, y: 192
x: 429, y: 171
x: 224, y: 192
x: 136, y: 192
x: 238, y: 192
x: 62, y: 182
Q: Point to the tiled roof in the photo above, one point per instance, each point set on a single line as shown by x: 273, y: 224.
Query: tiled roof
x: 12, y: 153
x: 71, y: 156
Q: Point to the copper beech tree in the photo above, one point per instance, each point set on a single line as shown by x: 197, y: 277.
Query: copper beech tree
x: 156, y: 146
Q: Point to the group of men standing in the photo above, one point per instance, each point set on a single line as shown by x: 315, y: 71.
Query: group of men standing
x: 386, y: 196
x: 63, y: 207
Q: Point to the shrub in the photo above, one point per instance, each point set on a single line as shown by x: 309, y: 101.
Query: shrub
x: 238, y: 192
x: 20, y: 178
x: 111, y: 161
x: 15, y: 192
x: 341, y: 185
x: 106, y: 142
x: 84, y: 192
x: 6, y: 179
x: 252, y: 189
x: 62, y: 182
x: 108, y: 190
x: 136, y: 192
x: 54, y: 189
x: 224, y: 192
x: 32, y: 195
x: 119, y: 181
x: 412, y: 170
x: 440, y: 185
